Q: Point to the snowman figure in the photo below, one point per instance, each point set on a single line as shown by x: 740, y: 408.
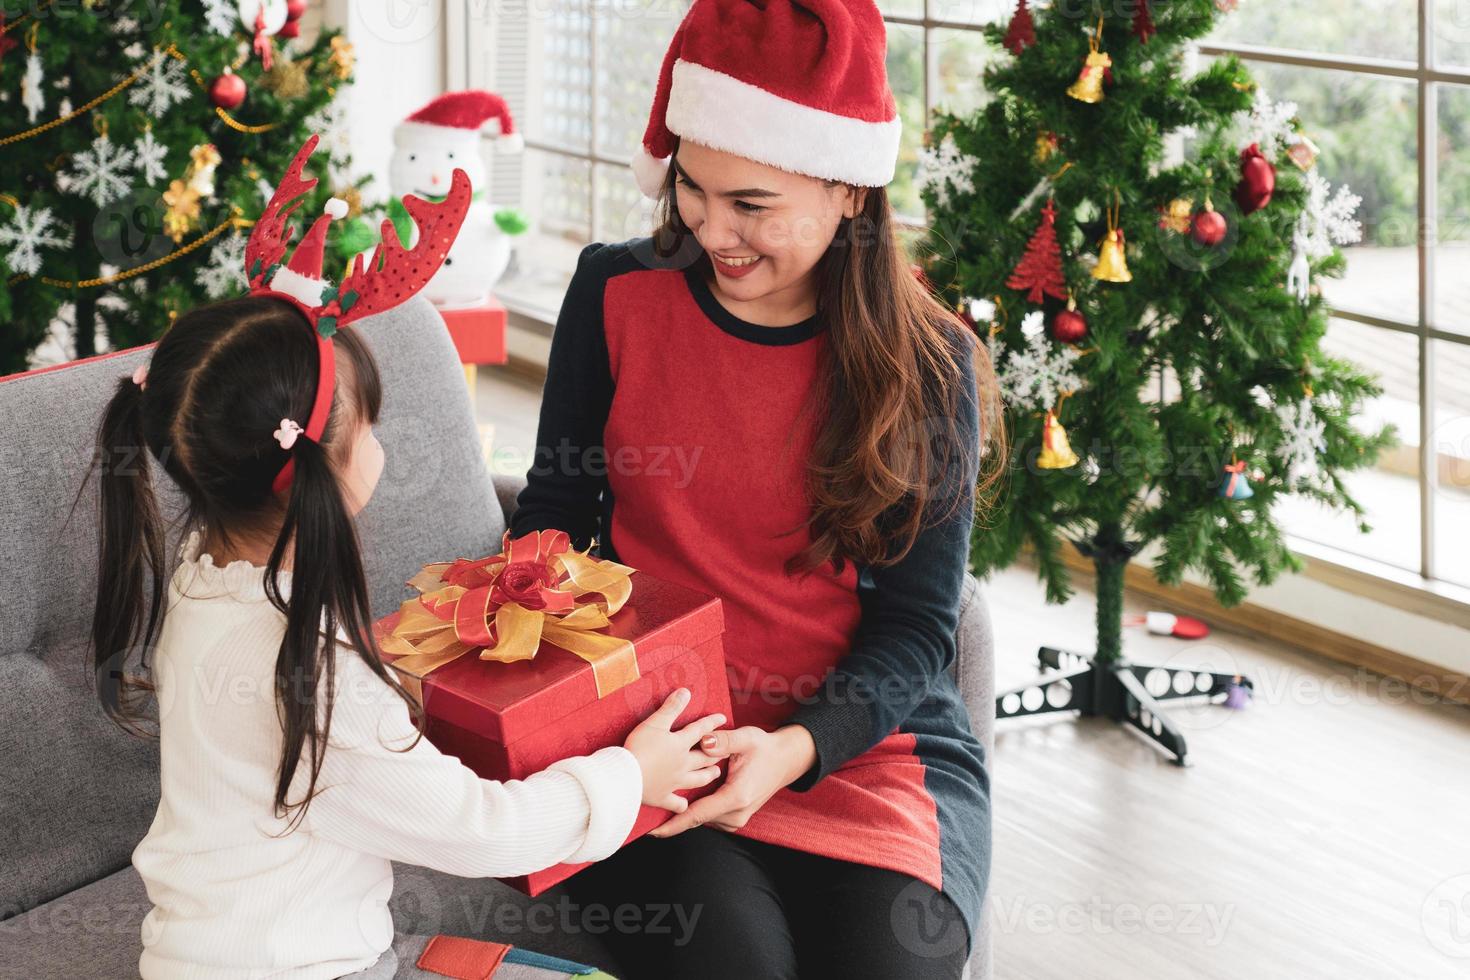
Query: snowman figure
x: 427, y: 146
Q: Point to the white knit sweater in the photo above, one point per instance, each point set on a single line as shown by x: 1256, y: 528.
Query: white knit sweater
x: 232, y: 902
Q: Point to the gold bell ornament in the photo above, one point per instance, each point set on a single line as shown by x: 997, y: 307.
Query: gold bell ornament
x: 1089, y: 84
x: 1056, y: 451
x: 1112, y: 262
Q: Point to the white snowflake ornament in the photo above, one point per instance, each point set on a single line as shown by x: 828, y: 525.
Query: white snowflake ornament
x: 148, y: 156
x: 223, y: 274
x: 945, y: 168
x: 27, y: 233
x: 1303, y: 440
x: 1033, y: 378
x: 330, y: 123
x: 162, y: 84
x: 1328, y: 221
x: 100, y: 173
x: 1268, y: 124
x: 221, y: 17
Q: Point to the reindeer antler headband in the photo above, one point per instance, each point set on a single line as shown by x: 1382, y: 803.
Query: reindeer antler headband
x: 393, y: 274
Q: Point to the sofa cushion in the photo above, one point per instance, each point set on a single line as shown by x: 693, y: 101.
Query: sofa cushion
x: 79, y: 792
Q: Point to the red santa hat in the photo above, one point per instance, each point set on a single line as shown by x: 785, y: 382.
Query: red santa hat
x: 457, y: 117
x: 301, y: 277
x: 799, y: 86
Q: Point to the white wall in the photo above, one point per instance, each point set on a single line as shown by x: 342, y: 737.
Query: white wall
x: 400, y: 66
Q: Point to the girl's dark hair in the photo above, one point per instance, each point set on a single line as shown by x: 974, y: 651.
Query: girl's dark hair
x: 219, y: 383
x: 888, y: 441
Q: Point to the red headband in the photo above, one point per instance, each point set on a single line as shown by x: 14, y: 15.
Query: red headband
x: 393, y: 274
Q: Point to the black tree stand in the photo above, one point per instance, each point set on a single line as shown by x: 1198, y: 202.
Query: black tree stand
x: 1105, y: 683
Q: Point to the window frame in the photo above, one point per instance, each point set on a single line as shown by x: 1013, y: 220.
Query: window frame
x: 1428, y: 78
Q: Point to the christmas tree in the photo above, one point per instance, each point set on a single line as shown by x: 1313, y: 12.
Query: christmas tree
x: 1174, y: 385
x: 139, y: 141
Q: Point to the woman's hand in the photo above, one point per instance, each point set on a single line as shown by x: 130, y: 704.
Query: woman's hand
x: 761, y: 763
x: 668, y: 758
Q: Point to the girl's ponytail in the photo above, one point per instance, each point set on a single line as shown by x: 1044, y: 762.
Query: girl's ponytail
x: 328, y: 592
x: 130, y: 548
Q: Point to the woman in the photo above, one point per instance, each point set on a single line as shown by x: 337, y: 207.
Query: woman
x: 763, y: 402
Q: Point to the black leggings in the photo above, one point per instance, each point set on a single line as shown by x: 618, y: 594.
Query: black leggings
x: 746, y: 910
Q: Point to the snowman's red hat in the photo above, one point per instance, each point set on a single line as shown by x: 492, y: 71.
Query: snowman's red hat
x: 800, y: 86
x: 456, y: 118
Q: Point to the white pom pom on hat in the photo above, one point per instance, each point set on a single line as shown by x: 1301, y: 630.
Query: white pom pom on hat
x: 799, y: 86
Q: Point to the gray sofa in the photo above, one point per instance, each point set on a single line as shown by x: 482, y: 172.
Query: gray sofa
x: 78, y: 793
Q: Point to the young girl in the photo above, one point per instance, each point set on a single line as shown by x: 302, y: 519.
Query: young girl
x: 291, y: 771
x: 764, y: 402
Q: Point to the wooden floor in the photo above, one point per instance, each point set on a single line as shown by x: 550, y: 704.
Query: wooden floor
x: 1323, y: 832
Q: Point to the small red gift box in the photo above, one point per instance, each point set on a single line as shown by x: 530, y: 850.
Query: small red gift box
x: 511, y: 720
x: 478, y: 331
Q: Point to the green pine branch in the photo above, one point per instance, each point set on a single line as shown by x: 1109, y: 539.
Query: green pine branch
x: 85, y: 50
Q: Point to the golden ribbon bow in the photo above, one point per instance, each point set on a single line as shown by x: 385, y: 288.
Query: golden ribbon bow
x: 506, y: 604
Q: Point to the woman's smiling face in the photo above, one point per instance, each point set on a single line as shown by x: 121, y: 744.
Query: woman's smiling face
x: 764, y: 229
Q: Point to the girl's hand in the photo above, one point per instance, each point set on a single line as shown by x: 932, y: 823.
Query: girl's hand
x: 669, y: 759
x: 761, y: 763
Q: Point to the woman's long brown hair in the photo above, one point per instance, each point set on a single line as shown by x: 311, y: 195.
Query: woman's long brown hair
x: 888, y: 431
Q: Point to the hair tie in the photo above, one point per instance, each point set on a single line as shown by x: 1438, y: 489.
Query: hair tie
x: 140, y: 376
x: 287, y: 433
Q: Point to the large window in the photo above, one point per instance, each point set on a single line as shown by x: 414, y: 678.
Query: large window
x: 1382, y: 86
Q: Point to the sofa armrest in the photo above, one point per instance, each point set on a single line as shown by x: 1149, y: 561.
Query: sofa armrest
x: 974, y: 667
x: 507, y: 488
x: 974, y: 672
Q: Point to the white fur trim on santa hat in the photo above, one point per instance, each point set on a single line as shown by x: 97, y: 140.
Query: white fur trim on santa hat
x: 303, y: 289
x: 722, y: 112
x: 409, y: 134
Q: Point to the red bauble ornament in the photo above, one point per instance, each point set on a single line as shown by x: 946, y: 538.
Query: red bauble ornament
x: 1208, y: 226
x: 6, y: 41
x: 1069, y: 326
x: 227, y: 91
x: 294, y: 9
x: 1257, y: 180
x: 292, y: 28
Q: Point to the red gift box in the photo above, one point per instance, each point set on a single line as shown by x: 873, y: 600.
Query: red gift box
x: 478, y: 332
x: 511, y: 720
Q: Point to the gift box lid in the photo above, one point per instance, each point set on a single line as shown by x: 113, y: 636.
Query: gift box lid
x: 507, y: 701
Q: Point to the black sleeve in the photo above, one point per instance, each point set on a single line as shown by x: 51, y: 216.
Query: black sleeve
x: 568, y: 475
x: 906, y: 636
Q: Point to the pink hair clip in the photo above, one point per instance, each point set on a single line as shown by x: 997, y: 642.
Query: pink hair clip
x: 287, y: 433
x: 140, y: 375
